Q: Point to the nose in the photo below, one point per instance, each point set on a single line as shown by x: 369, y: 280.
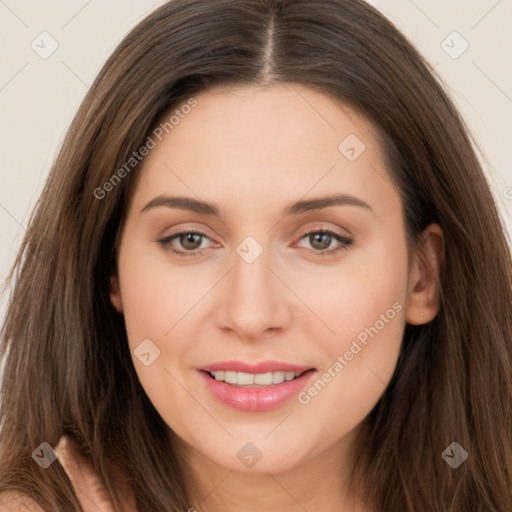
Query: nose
x: 255, y: 302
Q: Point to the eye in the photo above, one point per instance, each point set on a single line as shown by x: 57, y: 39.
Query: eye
x: 321, y: 241
x: 189, y: 240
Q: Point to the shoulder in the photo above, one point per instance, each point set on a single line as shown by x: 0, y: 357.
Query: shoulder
x: 90, y: 490
x: 17, y: 502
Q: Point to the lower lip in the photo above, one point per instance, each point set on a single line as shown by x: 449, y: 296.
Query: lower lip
x: 256, y: 399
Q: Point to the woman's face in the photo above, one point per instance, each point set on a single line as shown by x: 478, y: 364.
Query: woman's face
x: 276, y: 281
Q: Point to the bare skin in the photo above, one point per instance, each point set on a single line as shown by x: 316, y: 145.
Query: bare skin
x: 253, y: 151
x: 90, y: 491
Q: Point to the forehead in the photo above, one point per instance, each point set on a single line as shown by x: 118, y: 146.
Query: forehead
x: 288, y: 109
x: 277, y: 142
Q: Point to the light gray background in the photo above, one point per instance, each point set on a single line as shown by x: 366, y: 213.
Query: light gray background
x: 39, y: 96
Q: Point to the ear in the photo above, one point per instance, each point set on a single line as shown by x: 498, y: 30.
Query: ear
x: 115, y: 294
x: 424, y: 290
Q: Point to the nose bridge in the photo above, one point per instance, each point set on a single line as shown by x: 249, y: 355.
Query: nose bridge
x: 253, y: 301
x: 251, y: 277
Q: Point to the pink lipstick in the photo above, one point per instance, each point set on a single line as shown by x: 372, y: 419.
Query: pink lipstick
x: 255, y: 387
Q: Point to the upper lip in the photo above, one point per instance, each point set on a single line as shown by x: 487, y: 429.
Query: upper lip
x: 262, y: 367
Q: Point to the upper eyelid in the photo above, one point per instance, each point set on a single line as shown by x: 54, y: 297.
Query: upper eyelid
x: 325, y: 229
x: 321, y: 226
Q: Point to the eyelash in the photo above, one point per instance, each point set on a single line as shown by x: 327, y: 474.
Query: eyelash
x: 344, y: 241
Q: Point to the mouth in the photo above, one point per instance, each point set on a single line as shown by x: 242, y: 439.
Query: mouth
x: 244, y: 379
x: 256, y: 392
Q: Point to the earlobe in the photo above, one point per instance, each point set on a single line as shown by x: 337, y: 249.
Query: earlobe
x: 423, y: 299
x: 115, y: 294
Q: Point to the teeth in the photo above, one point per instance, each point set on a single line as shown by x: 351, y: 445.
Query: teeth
x: 230, y: 377
x: 254, y: 380
x: 278, y: 377
x: 245, y: 379
x: 262, y: 379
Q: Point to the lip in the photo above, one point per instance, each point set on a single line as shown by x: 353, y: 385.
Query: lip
x: 262, y: 367
x: 257, y: 399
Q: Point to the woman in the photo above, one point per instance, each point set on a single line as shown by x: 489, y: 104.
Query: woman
x: 266, y: 273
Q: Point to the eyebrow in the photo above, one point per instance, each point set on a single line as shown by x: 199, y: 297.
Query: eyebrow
x: 210, y: 208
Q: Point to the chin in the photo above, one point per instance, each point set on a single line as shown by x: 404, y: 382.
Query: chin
x: 259, y: 456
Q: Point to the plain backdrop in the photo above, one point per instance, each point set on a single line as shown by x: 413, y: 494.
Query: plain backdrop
x: 468, y: 41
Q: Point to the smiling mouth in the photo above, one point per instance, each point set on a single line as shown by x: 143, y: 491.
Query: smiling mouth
x: 255, y: 392
x: 254, y: 380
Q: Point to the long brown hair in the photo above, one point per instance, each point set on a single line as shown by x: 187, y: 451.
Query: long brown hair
x: 68, y: 368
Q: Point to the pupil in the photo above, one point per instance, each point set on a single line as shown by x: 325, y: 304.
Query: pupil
x: 189, y: 238
x: 317, y: 237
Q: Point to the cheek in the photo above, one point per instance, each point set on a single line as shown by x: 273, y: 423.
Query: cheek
x: 363, y: 289
x: 156, y: 299
x: 369, y: 307
x: 156, y: 294
x: 366, y: 311
x: 161, y: 302
x: 362, y: 303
